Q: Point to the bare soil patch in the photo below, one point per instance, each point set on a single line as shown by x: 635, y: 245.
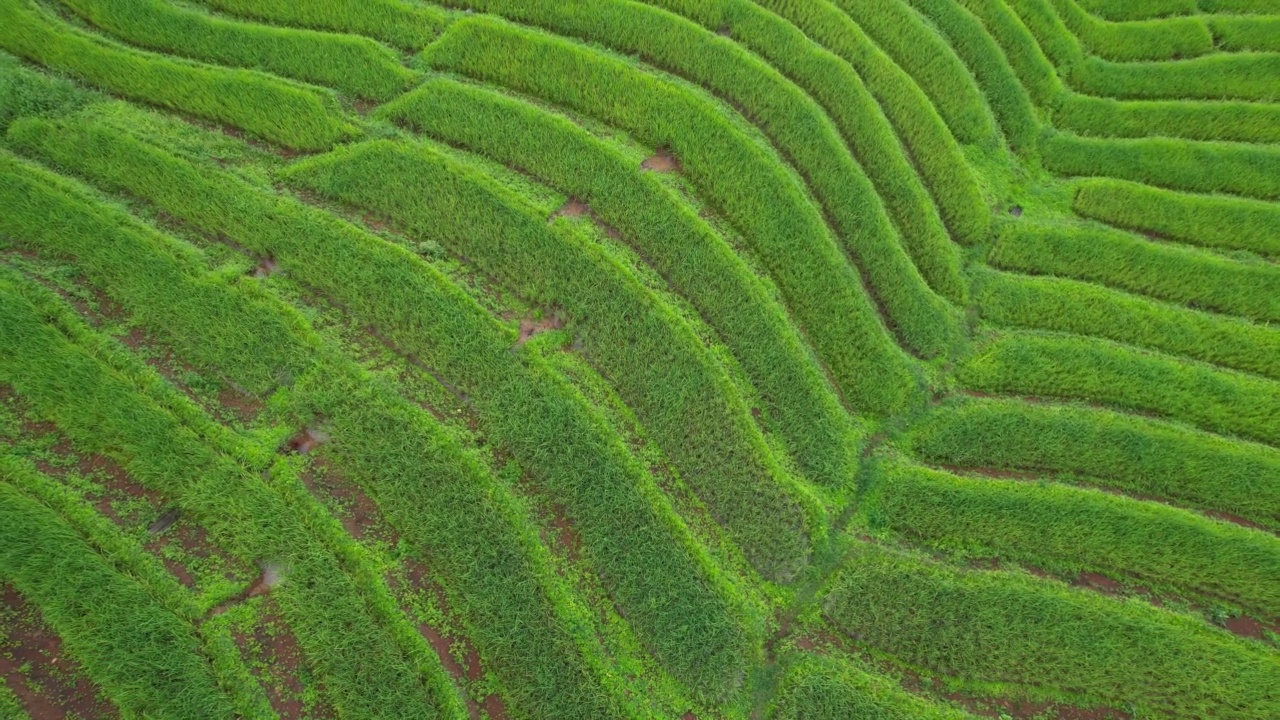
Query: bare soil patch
x: 359, y: 514
x: 530, y: 327
x: 49, y: 684
x: 662, y: 161
x: 272, y: 654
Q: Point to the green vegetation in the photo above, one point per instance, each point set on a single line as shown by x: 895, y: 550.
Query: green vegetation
x: 353, y: 65
x: 292, y: 115
x: 668, y: 359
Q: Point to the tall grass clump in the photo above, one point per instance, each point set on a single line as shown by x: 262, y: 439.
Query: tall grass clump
x: 817, y: 687
x: 1226, y: 120
x: 1220, y: 76
x: 1163, y: 39
x: 740, y: 179
x: 1121, y: 10
x: 1247, y: 32
x: 1078, y: 444
x: 682, y: 247
x: 355, y: 65
x: 406, y: 25
x: 26, y: 93
x: 1025, y: 363
x: 292, y: 115
x: 1228, y: 223
x: 1018, y: 629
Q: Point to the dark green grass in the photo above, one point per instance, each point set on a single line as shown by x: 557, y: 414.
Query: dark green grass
x: 1248, y: 170
x: 292, y: 115
x: 411, y: 26
x: 794, y: 122
x: 1189, y: 276
x: 921, y: 53
x: 1137, y: 455
x: 647, y: 560
x: 1226, y: 223
x: 354, y: 65
x: 833, y: 83
x: 1221, y: 76
x: 1043, y: 303
x: 796, y: 403
x: 1163, y: 39
x: 982, y: 56
x: 1070, y: 530
x: 815, y: 687
x: 937, y: 157
x: 739, y: 179
x: 25, y: 93
x: 146, y: 659
x: 654, y: 361
x: 1001, y: 627
x: 1024, y: 363
x: 1240, y: 7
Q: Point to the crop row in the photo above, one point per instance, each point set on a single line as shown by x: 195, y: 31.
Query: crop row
x: 410, y: 26
x: 822, y: 290
x: 682, y: 247
x: 294, y: 115
x: 521, y: 405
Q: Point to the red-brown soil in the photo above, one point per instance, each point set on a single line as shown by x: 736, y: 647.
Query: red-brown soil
x: 272, y: 654
x: 662, y: 162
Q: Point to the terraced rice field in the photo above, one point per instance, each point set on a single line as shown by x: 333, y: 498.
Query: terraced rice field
x: 680, y: 359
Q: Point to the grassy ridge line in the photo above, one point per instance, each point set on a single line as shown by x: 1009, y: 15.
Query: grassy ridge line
x: 405, y: 25
x: 25, y: 92
x: 982, y: 57
x: 937, y: 157
x: 917, y: 49
x: 550, y: 430
x: 1240, y: 7
x: 1137, y: 455
x: 1000, y: 627
x: 815, y: 687
x: 1070, y: 529
x: 355, y: 65
x: 1025, y: 363
x: 1059, y: 45
x: 1123, y: 261
x: 1025, y: 57
x: 146, y: 659
x: 1164, y: 39
x: 741, y: 180
x: 160, y: 444
x: 1249, y: 32
x: 1222, y: 76
x: 292, y: 115
x: 1247, y: 170
x: 127, y: 556
x: 1121, y: 10
x: 832, y: 82
x: 459, y: 534
x: 1228, y: 223
x: 681, y: 246
x: 793, y: 121
x: 1045, y: 303
x: 648, y: 354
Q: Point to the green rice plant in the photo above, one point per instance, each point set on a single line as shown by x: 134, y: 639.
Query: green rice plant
x: 936, y: 154
x: 816, y: 687
x: 654, y: 361
x: 1240, y: 7
x: 996, y: 79
x: 661, y: 581
x: 355, y: 65
x: 1046, y: 303
x: 1119, y: 10
x: 870, y: 137
x: 24, y: 93
x: 1221, y: 76
x: 1124, y: 261
x: 411, y: 26
x: 1227, y: 120
x: 1025, y: 363
x: 1025, y: 56
x: 796, y: 124
x: 1248, y: 170
x: 1070, y: 530
x: 682, y: 247
x: 1164, y: 39
x: 922, y: 54
x: 1246, y: 32
x: 293, y: 115
x: 739, y: 179
x: 1228, y: 223
x: 10, y: 707
x: 125, y: 410
x: 1147, y: 458
x: 1059, y: 45
x: 146, y: 659
x: 1042, y: 638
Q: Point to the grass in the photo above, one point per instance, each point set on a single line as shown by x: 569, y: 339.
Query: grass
x: 669, y: 358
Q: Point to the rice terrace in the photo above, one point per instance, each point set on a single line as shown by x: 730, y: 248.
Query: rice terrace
x: 661, y: 360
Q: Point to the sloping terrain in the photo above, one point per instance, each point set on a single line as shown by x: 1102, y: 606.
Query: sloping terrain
x: 679, y: 359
